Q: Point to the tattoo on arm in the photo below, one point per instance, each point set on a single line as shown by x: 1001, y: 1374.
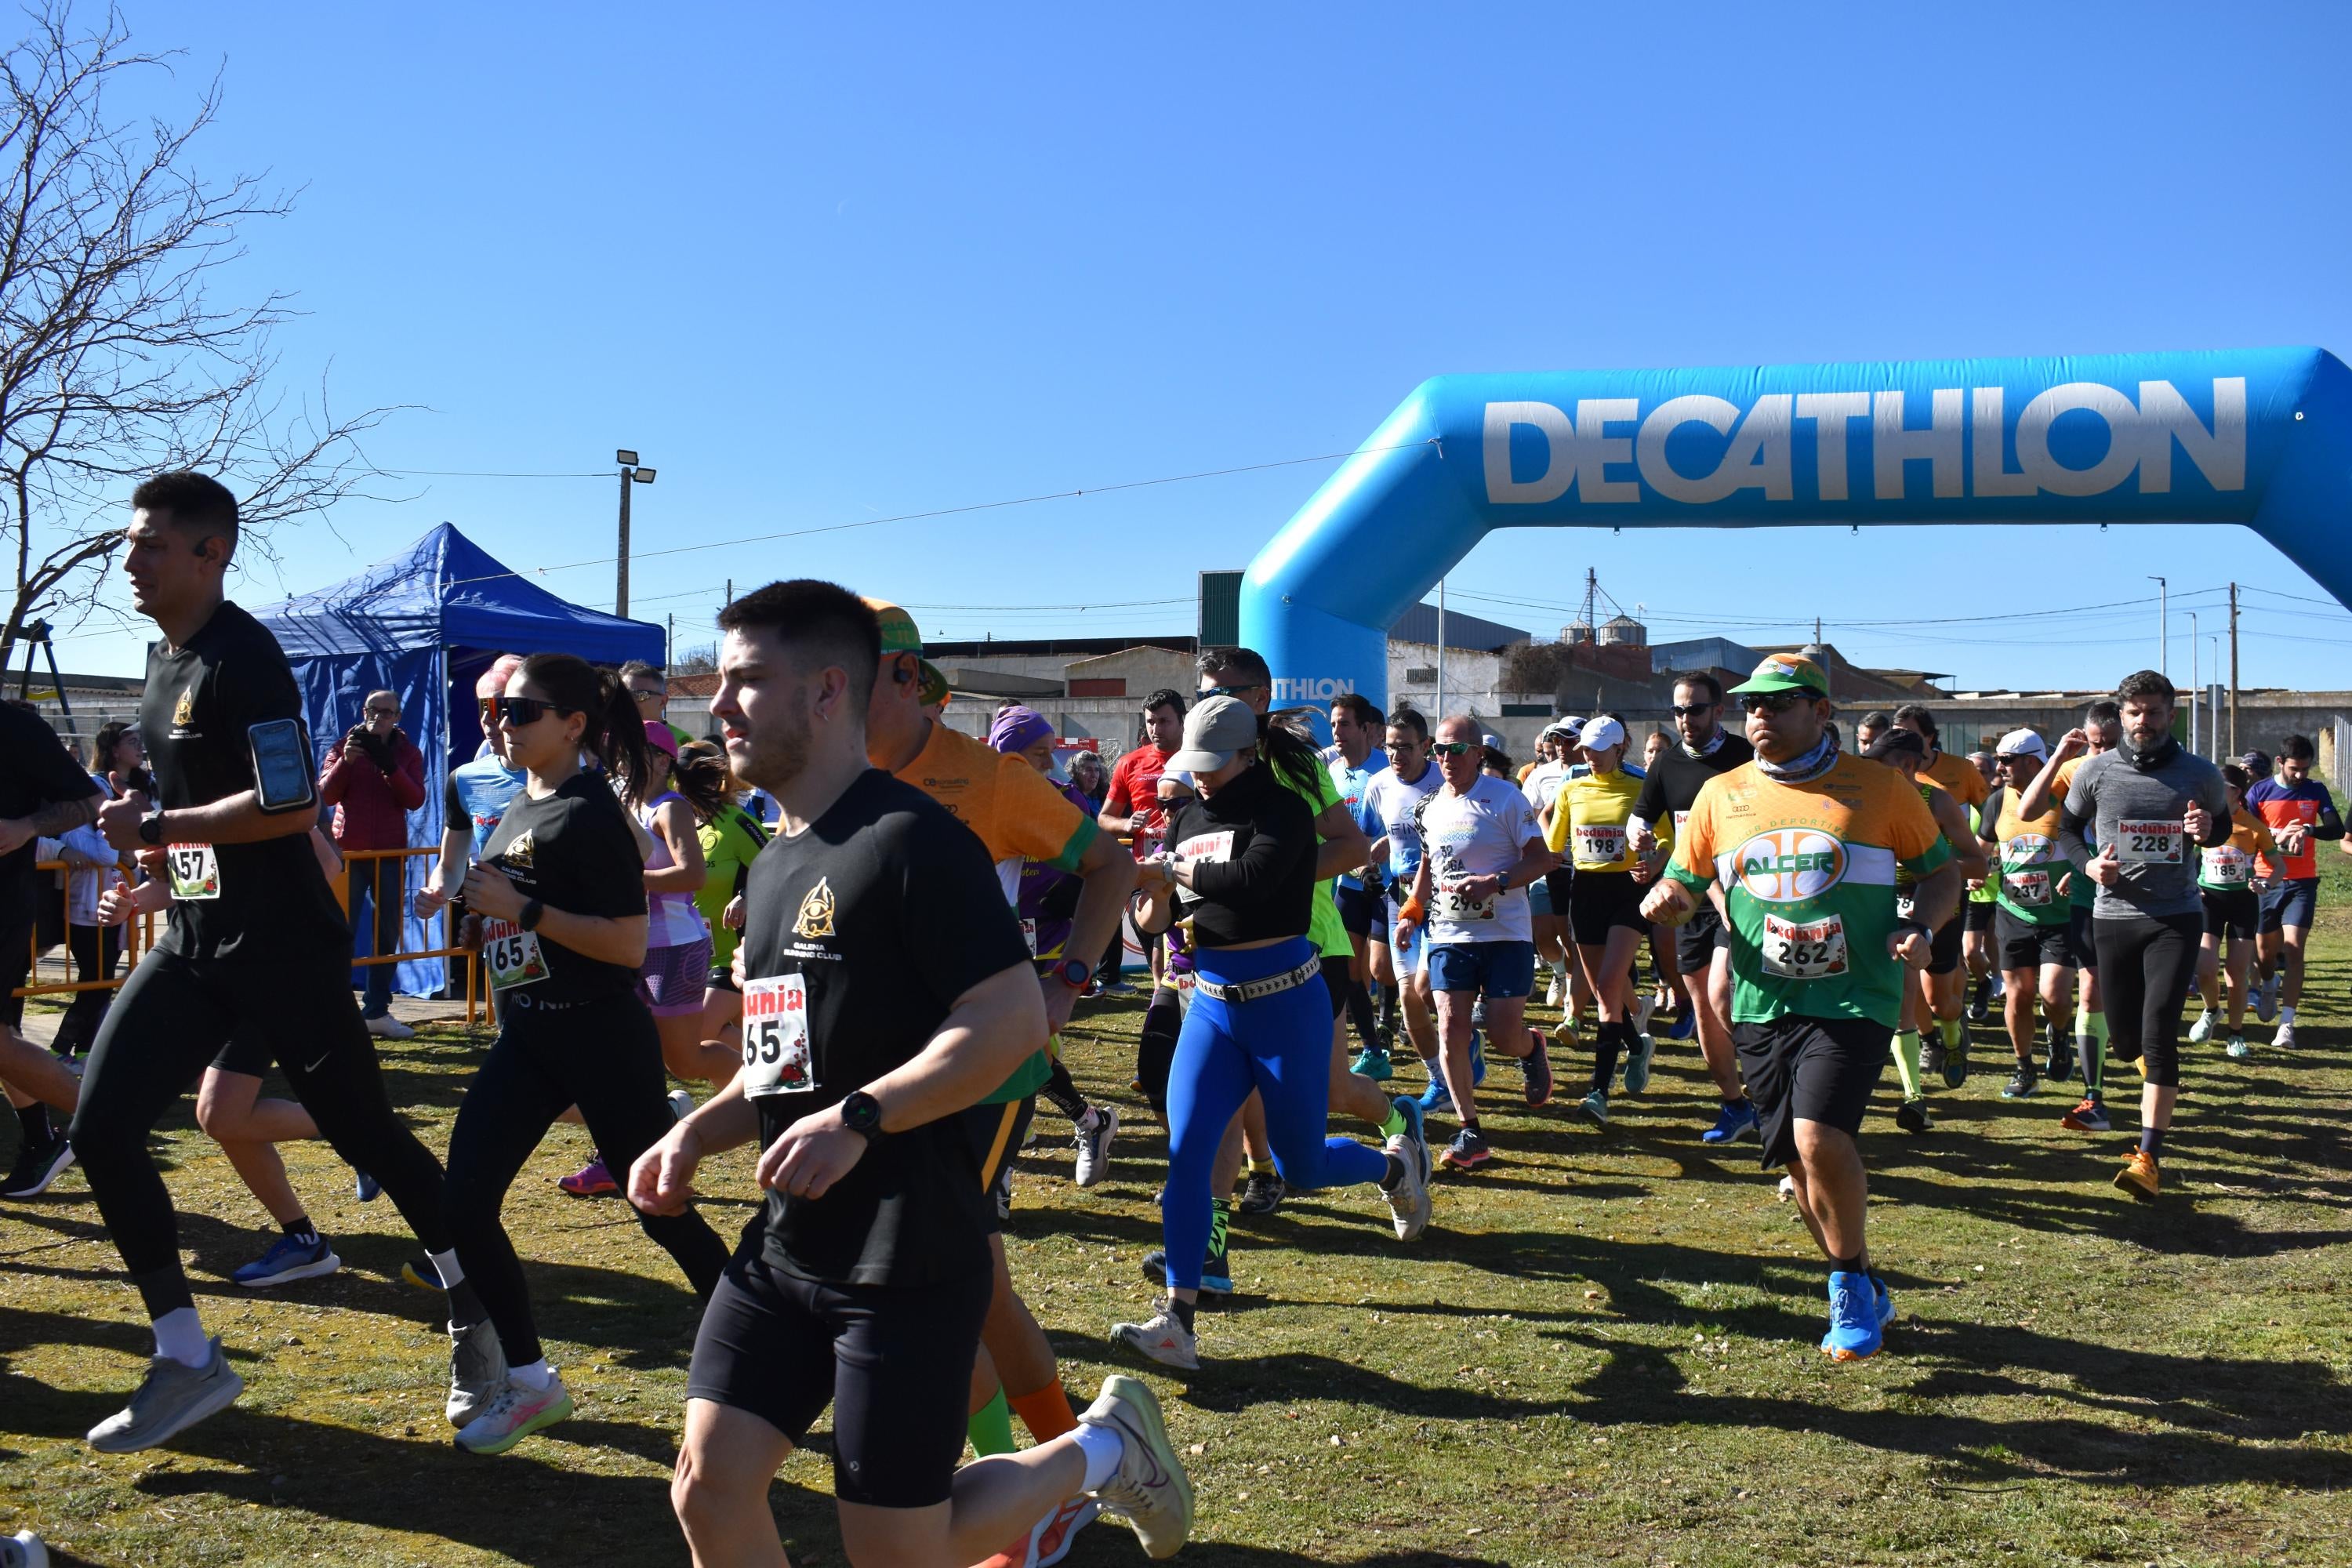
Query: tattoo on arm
x: 60, y: 817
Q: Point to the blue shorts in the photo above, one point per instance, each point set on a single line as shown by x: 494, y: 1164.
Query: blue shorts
x: 1502, y: 970
x: 1540, y: 897
x: 2290, y: 904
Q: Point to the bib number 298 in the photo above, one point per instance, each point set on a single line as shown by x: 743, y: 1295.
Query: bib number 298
x: 776, y: 1037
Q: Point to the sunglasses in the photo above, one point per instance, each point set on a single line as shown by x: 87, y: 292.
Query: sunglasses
x: 642, y: 693
x: 1230, y: 690
x: 1774, y: 701
x: 517, y: 711
x: 1451, y: 748
x: 1690, y: 710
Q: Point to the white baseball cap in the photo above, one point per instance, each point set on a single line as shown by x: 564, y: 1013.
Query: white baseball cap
x: 1600, y: 734
x: 2021, y: 744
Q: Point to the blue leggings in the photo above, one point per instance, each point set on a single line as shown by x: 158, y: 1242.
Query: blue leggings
x: 1279, y: 1045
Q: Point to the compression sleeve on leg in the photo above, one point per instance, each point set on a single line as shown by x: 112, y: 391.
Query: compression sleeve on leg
x: 1044, y: 1411
x: 991, y: 1427
x: 1907, y: 1061
x: 2091, y: 1045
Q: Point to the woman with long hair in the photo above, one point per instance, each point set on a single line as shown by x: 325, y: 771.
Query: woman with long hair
x: 731, y: 837
x: 561, y: 890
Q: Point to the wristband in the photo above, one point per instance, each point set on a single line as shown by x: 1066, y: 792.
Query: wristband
x: 1926, y: 933
x: 529, y: 918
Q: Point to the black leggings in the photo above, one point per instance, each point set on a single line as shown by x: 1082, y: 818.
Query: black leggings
x: 602, y: 1056
x: 168, y: 1022
x: 2146, y: 967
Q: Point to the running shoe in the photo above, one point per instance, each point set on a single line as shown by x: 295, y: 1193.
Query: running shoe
x: 2236, y: 1048
x: 1787, y: 1189
x: 1596, y: 1106
x: 2139, y: 1176
x: 1732, y: 1123
x: 1885, y: 1301
x: 388, y: 1027
x: 1262, y: 1194
x: 1556, y: 995
x: 590, y: 1181
x: 1953, y: 1062
x: 367, y: 1188
x: 1093, y: 1135
x: 2021, y: 1083
x: 287, y: 1261
x: 1638, y: 1057
x: 1436, y: 1097
x: 681, y: 1104
x: 1048, y: 1541
x: 2266, y: 997
x: 1979, y: 1000
x: 1684, y: 1026
x: 1537, y: 1064
x: 1477, y: 1058
x: 23, y: 1549
x: 478, y: 1370
x: 515, y: 1413
x: 1216, y: 1271
x: 38, y: 1165
x: 1150, y: 1489
x: 1468, y: 1150
x: 2202, y: 1029
x: 1373, y: 1065
x: 1119, y: 988
x: 1932, y: 1062
x: 1912, y: 1116
x: 1854, y: 1328
x: 1409, y: 1199
x: 2060, y: 1065
x: 2284, y: 1037
x: 170, y: 1399
x: 1642, y: 1011
x: 1564, y: 1032
x: 419, y: 1271
x: 2088, y: 1116
x: 1478, y: 1013
x: 1164, y: 1337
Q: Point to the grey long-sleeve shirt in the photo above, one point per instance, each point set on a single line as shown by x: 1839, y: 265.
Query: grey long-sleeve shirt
x: 2140, y: 813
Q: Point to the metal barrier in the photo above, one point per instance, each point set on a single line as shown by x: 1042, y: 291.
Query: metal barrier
x: 140, y: 931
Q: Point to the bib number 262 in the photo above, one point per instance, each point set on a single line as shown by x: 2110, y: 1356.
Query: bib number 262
x: 1811, y: 949
x: 776, y: 1037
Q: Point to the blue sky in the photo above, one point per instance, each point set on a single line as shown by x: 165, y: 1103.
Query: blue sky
x: 825, y: 266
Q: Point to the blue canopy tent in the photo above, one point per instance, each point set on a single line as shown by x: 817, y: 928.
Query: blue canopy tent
x: 424, y: 624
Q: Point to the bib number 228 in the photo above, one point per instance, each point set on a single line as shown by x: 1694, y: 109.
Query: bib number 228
x: 776, y: 1037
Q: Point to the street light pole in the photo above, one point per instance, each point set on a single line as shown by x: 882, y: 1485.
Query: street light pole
x: 2163, y: 641
x: 630, y: 474
x: 2196, y: 692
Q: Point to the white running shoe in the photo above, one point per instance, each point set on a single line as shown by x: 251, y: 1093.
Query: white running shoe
x: 170, y: 1399
x: 515, y: 1413
x: 390, y: 1028
x: 1557, y: 997
x: 1788, y: 1188
x: 478, y: 1370
x: 23, y: 1549
x: 2202, y: 1030
x: 2283, y: 1038
x: 1150, y: 1489
x: 1164, y: 1337
x: 681, y: 1104
x: 1094, y: 1142
x: 1408, y: 1200
x: 1641, y: 1011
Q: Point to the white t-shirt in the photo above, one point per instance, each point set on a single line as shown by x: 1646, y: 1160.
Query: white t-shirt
x: 1544, y: 783
x: 1387, y: 811
x: 1481, y: 834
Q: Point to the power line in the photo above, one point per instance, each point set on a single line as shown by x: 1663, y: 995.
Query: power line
x: 479, y: 474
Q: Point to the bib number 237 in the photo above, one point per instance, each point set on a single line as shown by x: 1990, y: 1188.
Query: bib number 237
x: 776, y: 1037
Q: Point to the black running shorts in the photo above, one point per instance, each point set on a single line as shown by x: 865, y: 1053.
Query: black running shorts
x: 997, y: 1133
x: 1601, y: 901
x: 1809, y: 1070
x: 1561, y: 886
x: 1699, y: 939
x: 2078, y: 937
x: 2233, y: 911
x: 1339, y: 981
x: 894, y: 1362
x: 2022, y: 945
x: 1978, y: 914
x: 1944, y: 948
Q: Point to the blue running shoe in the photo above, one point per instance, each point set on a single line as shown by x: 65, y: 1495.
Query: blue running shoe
x: 1853, y: 1318
x: 288, y: 1260
x: 1415, y: 1128
x: 1537, y: 1064
x: 1683, y: 1026
x: 1373, y: 1065
x: 1477, y: 1058
x: 1216, y: 1274
x: 1732, y: 1123
x: 1436, y: 1097
x: 1885, y: 1301
x: 369, y: 1188
x: 1637, y: 1063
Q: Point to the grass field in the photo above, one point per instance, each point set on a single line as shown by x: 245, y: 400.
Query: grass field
x: 1603, y: 1352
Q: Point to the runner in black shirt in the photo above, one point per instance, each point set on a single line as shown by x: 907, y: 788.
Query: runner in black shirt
x: 560, y: 889
x: 256, y: 947
x: 886, y: 987
x: 42, y: 795
x: 1702, y: 947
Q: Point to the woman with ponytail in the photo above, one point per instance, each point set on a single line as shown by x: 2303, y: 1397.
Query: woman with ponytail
x: 561, y: 891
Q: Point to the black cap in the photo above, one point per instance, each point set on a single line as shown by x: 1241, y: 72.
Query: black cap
x: 1892, y: 743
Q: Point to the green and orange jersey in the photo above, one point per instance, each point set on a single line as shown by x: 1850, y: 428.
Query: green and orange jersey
x: 1960, y: 775
x: 2027, y: 864
x: 2230, y: 867
x: 1808, y: 873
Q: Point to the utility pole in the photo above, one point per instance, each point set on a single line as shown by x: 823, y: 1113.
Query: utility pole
x: 2196, y: 692
x: 731, y: 593
x: 2233, y: 669
x: 630, y: 474
x: 1437, y: 717
x: 2163, y: 642
x: 669, y: 642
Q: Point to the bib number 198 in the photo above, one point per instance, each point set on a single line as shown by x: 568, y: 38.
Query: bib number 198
x: 776, y: 1037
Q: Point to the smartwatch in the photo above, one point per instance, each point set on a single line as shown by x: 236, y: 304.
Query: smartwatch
x: 861, y: 1112
x: 1074, y: 973
x: 150, y: 828
x: 529, y: 918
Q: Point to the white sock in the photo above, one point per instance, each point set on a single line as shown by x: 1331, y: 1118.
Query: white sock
x: 2287, y: 1014
x: 446, y: 1264
x: 180, y: 1334
x: 1103, y: 1448
x: 536, y: 1376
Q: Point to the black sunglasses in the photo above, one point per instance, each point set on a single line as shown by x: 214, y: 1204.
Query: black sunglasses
x: 1774, y: 701
x: 1230, y: 690
x: 517, y: 711
x: 1690, y: 710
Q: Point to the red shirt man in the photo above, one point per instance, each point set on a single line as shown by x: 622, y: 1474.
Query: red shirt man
x: 1132, y: 806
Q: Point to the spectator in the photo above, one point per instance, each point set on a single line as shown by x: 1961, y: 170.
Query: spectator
x: 649, y: 689
x: 1086, y: 773
x: 374, y: 778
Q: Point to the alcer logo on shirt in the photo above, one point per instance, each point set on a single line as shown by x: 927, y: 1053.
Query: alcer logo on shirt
x: 1787, y: 864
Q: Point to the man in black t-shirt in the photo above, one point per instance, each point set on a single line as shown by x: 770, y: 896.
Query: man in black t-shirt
x: 886, y: 987
x: 1702, y: 947
x: 256, y: 945
x: 42, y: 795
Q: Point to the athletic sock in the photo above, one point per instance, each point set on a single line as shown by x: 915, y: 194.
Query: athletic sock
x: 2287, y: 1014
x: 180, y: 1334
x: 1261, y: 1168
x: 1388, y: 1015
x: 1063, y: 1091
x: 1393, y: 1175
x: 1394, y: 1126
x: 1184, y: 1310
x: 1044, y: 1411
x: 35, y: 1120
x: 1360, y: 1015
x: 1954, y: 1035
x: 989, y: 1428
x: 1907, y: 1061
x: 1103, y: 1448
x: 302, y: 1230
x: 2091, y: 1045
x: 1605, y: 1047
x: 2151, y: 1142
x: 534, y: 1375
x: 465, y: 1309
x: 1857, y: 1264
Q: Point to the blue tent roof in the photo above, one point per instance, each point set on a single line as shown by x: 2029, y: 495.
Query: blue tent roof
x: 446, y: 591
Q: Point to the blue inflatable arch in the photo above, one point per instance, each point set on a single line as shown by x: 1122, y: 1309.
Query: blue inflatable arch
x: 2258, y: 436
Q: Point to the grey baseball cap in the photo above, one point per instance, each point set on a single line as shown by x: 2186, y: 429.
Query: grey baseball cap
x: 1214, y: 729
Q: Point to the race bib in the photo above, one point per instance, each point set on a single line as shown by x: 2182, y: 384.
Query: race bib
x: 1903, y: 906
x: 512, y: 954
x: 2158, y: 843
x: 1680, y: 817
x: 194, y: 870
x: 1452, y: 906
x: 2228, y: 866
x: 1029, y: 935
x: 2028, y: 890
x: 776, y: 1037
x: 1807, y: 950
x: 1600, y: 843
x: 1207, y: 846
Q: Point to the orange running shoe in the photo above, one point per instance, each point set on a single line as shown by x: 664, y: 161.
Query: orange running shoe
x: 2088, y: 1117
x: 2138, y: 1177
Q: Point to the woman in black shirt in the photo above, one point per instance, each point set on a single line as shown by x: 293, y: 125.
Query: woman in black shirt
x: 560, y: 888
x: 1241, y: 868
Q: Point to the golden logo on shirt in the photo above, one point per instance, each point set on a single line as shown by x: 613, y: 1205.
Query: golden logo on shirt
x: 185, y: 714
x: 815, y: 919
x: 519, y: 853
